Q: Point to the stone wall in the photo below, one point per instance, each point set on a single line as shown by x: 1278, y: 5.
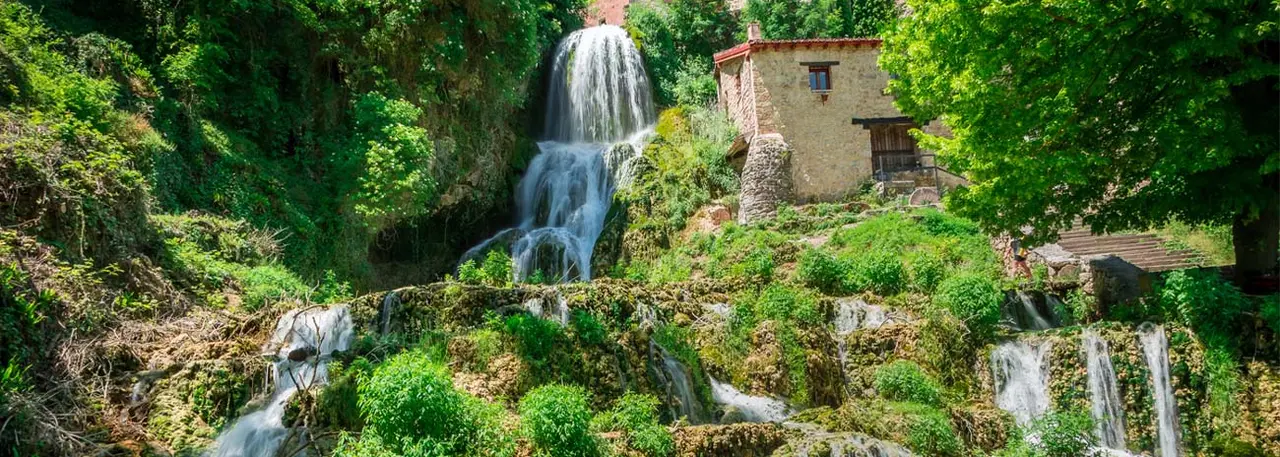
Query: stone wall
x: 766, y: 178
x: 737, y: 96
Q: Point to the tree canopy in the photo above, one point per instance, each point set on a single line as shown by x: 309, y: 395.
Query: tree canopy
x: 1126, y: 113
x: 795, y: 19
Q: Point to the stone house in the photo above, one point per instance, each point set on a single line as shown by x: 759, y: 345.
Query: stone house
x: 822, y: 101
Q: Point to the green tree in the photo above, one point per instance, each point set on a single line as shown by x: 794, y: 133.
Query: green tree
x: 1125, y: 113
x: 795, y: 19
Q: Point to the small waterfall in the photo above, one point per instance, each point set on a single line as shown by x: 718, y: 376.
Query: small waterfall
x: 680, y: 398
x: 1155, y: 349
x: 1021, y: 374
x: 1106, y: 404
x: 753, y: 409
x: 1023, y: 312
x: 559, y: 311
x: 303, y: 343
x: 389, y: 305
x: 599, y: 96
x: 854, y: 313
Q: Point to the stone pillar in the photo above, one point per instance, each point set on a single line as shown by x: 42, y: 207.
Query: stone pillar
x: 766, y: 178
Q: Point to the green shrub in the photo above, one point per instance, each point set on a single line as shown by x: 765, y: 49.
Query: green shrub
x: 758, y: 265
x: 930, y: 433
x: 556, y: 420
x: 497, y: 268
x: 880, y: 272
x: 587, y: 328
x: 1062, y: 434
x: 536, y: 339
x: 903, y: 380
x: 410, y: 407
x: 927, y: 270
x: 938, y: 223
x: 470, y: 273
x: 782, y: 303
x: 636, y: 415
x: 973, y: 298
x: 819, y: 269
x: 1202, y: 300
x: 1230, y: 446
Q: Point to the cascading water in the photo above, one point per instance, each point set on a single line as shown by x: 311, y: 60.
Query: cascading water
x: 678, y: 383
x: 1155, y: 349
x: 752, y: 408
x: 1023, y: 312
x: 303, y: 343
x: 1106, y: 405
x: 1021, y: 376
x: 599, y: 95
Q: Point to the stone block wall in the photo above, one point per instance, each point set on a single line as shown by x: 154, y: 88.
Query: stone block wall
x: 831, y: 155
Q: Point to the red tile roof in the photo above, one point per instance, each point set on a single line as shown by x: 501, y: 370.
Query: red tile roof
x: 757, y: 45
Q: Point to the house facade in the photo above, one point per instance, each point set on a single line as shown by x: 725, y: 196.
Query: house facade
x: 825, y: 99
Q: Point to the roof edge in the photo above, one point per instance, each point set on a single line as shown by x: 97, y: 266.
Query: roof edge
x: 756, y: 45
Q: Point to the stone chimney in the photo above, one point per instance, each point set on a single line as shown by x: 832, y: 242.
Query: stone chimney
x: 753, y: 31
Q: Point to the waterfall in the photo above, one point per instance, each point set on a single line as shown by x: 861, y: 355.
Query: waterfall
x: 1106, y: 404
x: 1023, y: 312
x: 599, y: 95
x: 753, y: 409
x: 1155, y: 349
x: 303, y: 343
x: 389, y: 305
x: 1021, y: 374
x: 680, y: 398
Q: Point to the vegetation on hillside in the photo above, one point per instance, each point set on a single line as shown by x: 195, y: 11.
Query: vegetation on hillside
x: 1167, y: 112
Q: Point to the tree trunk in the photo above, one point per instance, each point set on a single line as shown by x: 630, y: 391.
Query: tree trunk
x: 1256, y: 239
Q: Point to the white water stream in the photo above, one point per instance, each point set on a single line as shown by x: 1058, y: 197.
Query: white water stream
x: 1021, y: 374
x: 753, y: 408
x: 311, y: 336
x: 1155, y: 349
x: 1106, y: 404
x: 599, y: 96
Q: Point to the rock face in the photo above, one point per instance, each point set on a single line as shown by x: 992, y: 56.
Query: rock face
x: 766, y: 178
x: 1113, y: 280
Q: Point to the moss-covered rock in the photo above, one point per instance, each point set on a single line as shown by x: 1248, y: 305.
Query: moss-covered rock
x: 736, y: 440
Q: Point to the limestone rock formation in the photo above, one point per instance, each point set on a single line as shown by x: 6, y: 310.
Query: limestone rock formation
x: 766, y: 178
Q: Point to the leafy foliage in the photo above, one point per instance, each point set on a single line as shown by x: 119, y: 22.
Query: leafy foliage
x: 1159, y: 116
x: 556, y: 419
x: 795, y: 19
x: 903, y: 380
x: 410, y: 407
x: 636, y: 415
x: 973, y: 298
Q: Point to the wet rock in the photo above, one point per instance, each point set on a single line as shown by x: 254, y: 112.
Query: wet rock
x: 737, y: 440
x: 303, y: 353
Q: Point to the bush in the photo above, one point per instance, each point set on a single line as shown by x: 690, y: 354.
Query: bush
x: 786, y: 304
x: 536, y: 338
x: 587, y: 328
x: 1202, y: 300
x: 819, y: 269
x: 636, y: 415
x: 758, y: 265
x: 927, y: 270
x: 497, y: 268
x: 878, y: 271
x: 410, y: 407
x: 973, y: 298
x: 1062, y: 434
x: 556, y: 419
x: 930, y: 433
x: 903, y: 380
